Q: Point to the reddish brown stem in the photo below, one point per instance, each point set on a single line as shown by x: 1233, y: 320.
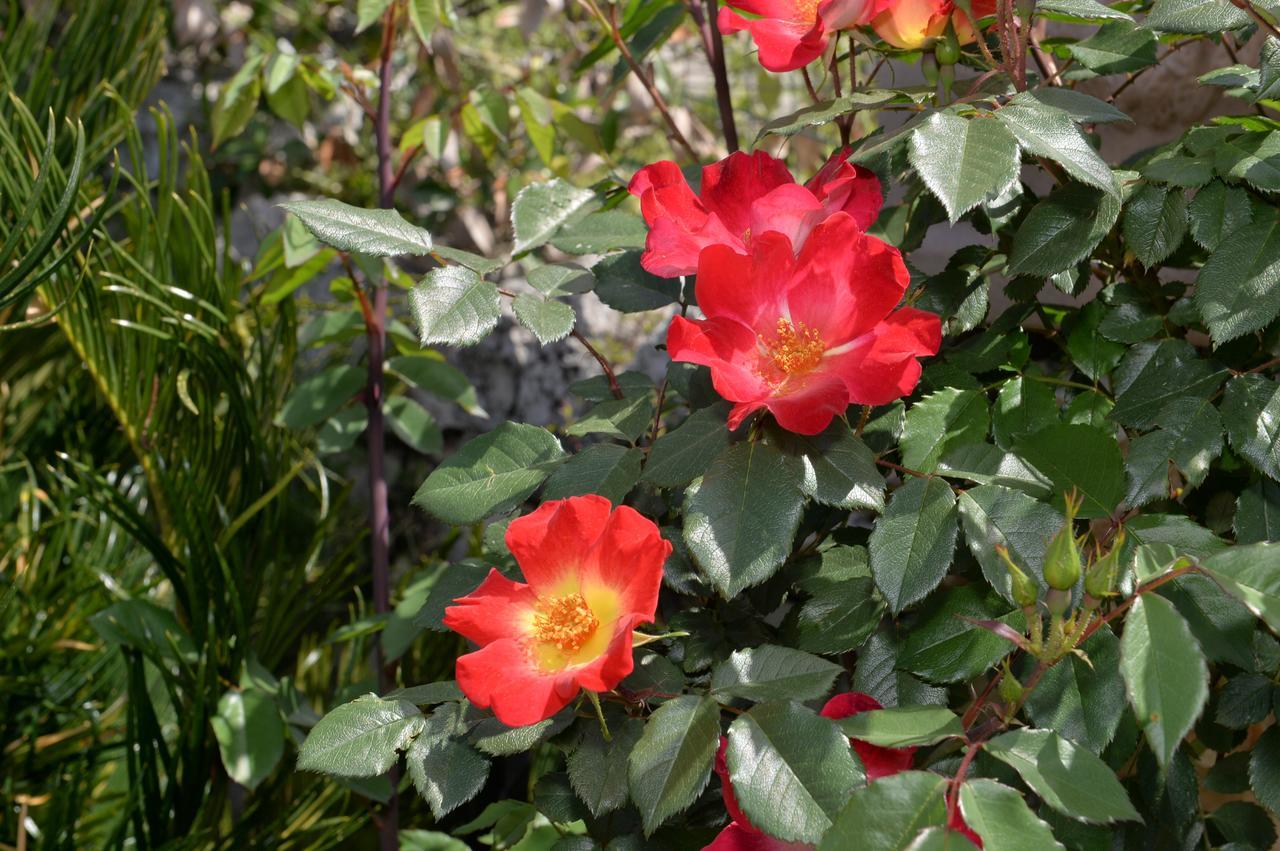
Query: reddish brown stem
x: 614, y: 388
x: 704, y: 15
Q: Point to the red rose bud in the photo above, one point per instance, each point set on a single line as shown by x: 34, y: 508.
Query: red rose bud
x: 593, y: 576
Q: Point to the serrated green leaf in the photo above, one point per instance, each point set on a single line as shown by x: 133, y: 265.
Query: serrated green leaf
x: 837, y: 618
x: 1195, y: 16
x: 541, y: 209
x: 1218, y: 211
x: 558, y: 279
x: 624, y: 419
x: 368, y: 12
x: 770, y: 672
x: 362, y: 738
x: 992, y: 515
x: 1257, y: 516
x: 598, y: 768
x: 446, y: 771
x: 378, y: 233
x: 250, y: 735
x: 1164, y: 673
x: 1080, y: 457
x: 1264, y: 769
x: 413, y: 424
x: 237, y: 101
x: 1048, y: 132
x: 1190, y: 439
x: 838, y: 468
x: 1069, y: 778
x: 1251, y: 574
x: 1002, y: 818
x: 606, y: 230
x: 1253, y: 157
x: 945, y: 648
x: 902, y: 727
x: 671, y: 763
x: 1083, y: 108
x: 685, y: 452
x: 940, y: 421
x: 739, y: 522
x: 1082, y: 699
x: 791, y: 769
x: 1061, y: 230
x: 1251, y: 411
x: 987, y: 465
x: 913, y: 541
x: 888, y: 814
x: 1155, y: 221
x: 1116, y: 48
x: 430, y: 373
x: 606, y: 469
x: 1080, y: 10
x: 963, y: 161
x: 1023, y: 407
x: 1154, y: 375
x: 454, y: 306
x: 1238, y: 290
x: 621, y: 283
x: 549, y: 320
x: 492, y: 472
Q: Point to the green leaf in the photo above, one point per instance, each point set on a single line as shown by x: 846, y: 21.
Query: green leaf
x: 454, y: 306
x: 1023, y: 407
x: 1251, y: 411
x: 1080, y: 457
x: 963, y: 161
x: 1258, y: 513
x: 1264, y: 769
x: 1082, y: 699
x: 424, y: 16
x: 474, y: 262
x: 558, y: 279
x: 1061, y: 230
x: 791, y: 770
x: 1190, y: 439
x: 913, y: 542
x: 606, y: 230
x: 839, y: 470
x: 671, y: 763
x: 770, y: 672
x: 362, y: 738
x: 621, y: 283
x: 624, y: 419
x: 493, y: 472
x: 430, y: 373
x: 238, y: 101
x: 888, y: 814
x: 942, y: 420
x: 1153, y: 375
x: 431, y: 693
x: 1080, y: 10
x: 1195, y: 16
x: 378, y: 233
x: 1217, y: 212
x: 1083, y: 108
x: 1244, y: 701
x: 1238, y: 290
x: 992, y: 515
x: 944, y: 648
x: 1253, y: 157
x: 319, y: 397
x: 739, y: 522
x: 549, y: 320
x: 1164, y: 673
x: 903, y: 727
x: 837, y: 618
x: 341, y: 431
x: 368, y: 12
x: 1069, y: 778
x: 606, y: 468
x: 413, y: 424
x: 1048, y: 132
x: 987, y: 465
x: 1251, y: 574
x: 250, y: 735
x: 1116, y: 48
x: 1002, y: 818
x: 685, y: 452
x: 1155, y: 221
x: 598, y: 768
x: 446, y: 771
x: 541, y: 209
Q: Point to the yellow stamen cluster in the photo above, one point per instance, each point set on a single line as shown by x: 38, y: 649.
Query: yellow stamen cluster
x: 565, y: 622
x: 807, y: 10
x: 795, y: 348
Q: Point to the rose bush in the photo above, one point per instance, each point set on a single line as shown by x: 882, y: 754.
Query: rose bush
x: 1017, y: 510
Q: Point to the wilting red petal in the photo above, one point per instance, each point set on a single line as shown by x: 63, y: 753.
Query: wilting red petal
x: 498, y: 609
x: 783, y: 45
x: 878, y: 761
x: 848, y: 188
x: 552, y: 544
x: 500, y: 676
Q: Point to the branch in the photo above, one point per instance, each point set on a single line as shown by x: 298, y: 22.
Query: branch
x: 713, y: 47
x: 600, y: 359
x: 1252, y: 11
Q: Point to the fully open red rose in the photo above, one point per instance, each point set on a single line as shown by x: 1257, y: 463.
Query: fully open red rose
x: 741, y: 196
x: 879, y: 762
x: 593, y: 574
x: 790, y: 34
x: 807, y: 336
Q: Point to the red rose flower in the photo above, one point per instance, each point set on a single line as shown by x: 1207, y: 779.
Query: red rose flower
x: 913, y: 24
x: 807, y: 336
x: 790, y: 34
x: 593, y: 574
x: 879, y: 762
x: 742, y: 195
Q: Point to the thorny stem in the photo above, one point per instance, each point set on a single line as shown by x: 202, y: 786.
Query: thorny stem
x: 610, y: 23
x: 388, y: 821
x: 600, y: 359
x: 1262, y: 20
x: 953, y: 792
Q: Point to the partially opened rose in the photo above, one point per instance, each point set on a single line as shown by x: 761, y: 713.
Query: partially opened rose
x: 593, y: 575
x: 790, y: 34
x: 742, y: 835
x: 912, y: 24
x: 806, y: 337
x: 744, y: 196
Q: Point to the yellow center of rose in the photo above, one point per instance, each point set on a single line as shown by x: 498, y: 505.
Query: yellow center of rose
x: 795, y: 347
x: 806, y: 10
x: 565, y: 622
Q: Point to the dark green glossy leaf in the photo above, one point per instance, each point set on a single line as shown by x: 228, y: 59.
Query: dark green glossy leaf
x: 1069, y: 778
x: 1080, y: 457
x: 913, y: 541
x: 1251, y: 411
x: 1238, y: 290
x: 992, y: 515
x: 454, y: 306
x: 907, y: 726
x: 888, y: 814
x: 671, y: 763
x: 943, y: 420
x: 773, y: 673
x: 1002, y: 818
x: 963, y: 161
x: 1082, y: 699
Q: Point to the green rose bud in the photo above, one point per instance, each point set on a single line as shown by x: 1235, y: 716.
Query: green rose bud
x: 1025, y: 592
x: 1101, y: 577
x: 947, y: 48
x: 1062, y: 558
